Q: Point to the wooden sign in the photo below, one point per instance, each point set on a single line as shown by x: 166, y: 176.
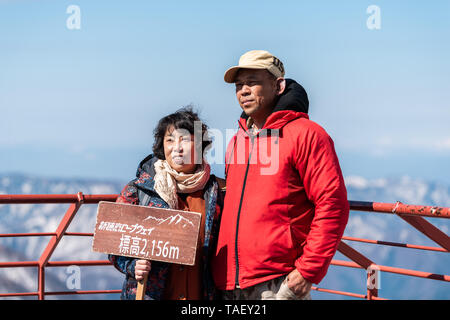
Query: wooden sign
x: 147, y: 232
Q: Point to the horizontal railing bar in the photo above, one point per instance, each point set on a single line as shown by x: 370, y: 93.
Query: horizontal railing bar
x: 30, y: 234
x: 430, y: 211
x: 79, y: 263
x: 19, y: 294
x: 401, y: 208
x: 58, y: 293
x: 395, y: 244
x: 406, y: 272
x: 414, y: 273
x: 351, y: 294
x: 54, y: 198
x: 19, y: 264
x: 44, y: 234
x: 415, y: 210
x: 344, y: 293
x: 79, y: 234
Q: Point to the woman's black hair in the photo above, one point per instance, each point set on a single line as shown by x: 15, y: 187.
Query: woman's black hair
x: 183, y: 118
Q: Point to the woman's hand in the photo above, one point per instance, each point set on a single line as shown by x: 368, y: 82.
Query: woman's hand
x: 141, y: 268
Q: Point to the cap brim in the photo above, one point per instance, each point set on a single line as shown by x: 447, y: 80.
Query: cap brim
x: 230, y: 74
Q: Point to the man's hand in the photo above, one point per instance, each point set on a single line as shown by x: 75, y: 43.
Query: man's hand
x: 299, y: 285
x: 141, y: 268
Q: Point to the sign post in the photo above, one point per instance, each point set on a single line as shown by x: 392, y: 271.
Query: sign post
x: 146, y: 233
x: 141, y: 287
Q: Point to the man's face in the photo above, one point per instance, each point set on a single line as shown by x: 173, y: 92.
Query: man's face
x: 256, y: 91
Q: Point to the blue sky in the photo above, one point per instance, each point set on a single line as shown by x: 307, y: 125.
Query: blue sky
x: 83, y: 103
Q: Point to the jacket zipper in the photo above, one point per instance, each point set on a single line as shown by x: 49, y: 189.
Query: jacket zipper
x: 239, y: 213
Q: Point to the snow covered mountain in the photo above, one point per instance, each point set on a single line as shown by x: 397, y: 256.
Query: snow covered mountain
x: 388, y: 227
x: 24, y: 218
x: 404, y: 189
x: 378, y: 226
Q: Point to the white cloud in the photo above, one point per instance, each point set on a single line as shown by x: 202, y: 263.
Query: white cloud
x: 356, y: 182
x: 443, y: 144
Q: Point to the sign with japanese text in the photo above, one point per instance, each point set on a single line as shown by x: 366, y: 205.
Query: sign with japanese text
x: 147, y: 232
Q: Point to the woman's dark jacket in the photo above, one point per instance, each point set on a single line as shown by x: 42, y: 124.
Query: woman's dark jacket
x: 140, y: 191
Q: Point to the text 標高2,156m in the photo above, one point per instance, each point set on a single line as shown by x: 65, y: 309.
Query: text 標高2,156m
x: 165, y: 250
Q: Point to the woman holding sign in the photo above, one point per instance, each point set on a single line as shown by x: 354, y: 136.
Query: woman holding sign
x: 175, y: 176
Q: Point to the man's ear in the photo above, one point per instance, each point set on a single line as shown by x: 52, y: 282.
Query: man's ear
x: 281, y: 85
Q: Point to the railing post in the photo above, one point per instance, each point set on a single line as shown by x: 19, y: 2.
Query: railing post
x: 365, y: 263
x: 41, y: 282
x: 52, y: 244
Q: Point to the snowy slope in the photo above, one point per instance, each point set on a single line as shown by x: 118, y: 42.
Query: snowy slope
x: 388, y: 227
x: 46, y: 218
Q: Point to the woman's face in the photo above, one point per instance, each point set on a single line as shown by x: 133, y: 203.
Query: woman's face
x: 179, y: 150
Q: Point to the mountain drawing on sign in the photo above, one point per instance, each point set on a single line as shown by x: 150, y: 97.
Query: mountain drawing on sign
x: 176, y: 220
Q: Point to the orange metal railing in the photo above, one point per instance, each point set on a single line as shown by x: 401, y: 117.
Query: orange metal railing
x: 76, y: 201
x: 414, y: 215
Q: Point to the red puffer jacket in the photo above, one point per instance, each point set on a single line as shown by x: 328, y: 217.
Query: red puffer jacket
x: 285, y: 206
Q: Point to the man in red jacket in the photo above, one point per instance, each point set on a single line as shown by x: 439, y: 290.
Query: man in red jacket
x: 286, y: 203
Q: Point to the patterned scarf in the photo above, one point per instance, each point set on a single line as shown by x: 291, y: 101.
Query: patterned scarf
x: 168, y: 182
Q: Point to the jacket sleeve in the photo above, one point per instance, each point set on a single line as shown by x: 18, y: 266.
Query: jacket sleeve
x: 126, y: 264
x: 322, y: 178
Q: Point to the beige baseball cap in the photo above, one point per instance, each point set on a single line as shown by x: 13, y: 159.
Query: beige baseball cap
x: 256, y: 59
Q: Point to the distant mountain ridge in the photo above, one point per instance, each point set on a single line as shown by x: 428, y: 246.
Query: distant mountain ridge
x: 404, y: 189
x: 46, y: 217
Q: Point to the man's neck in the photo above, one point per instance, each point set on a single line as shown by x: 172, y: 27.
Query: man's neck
x: 254, y: 126
x: 257, y: 125
x: 260, y: 120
